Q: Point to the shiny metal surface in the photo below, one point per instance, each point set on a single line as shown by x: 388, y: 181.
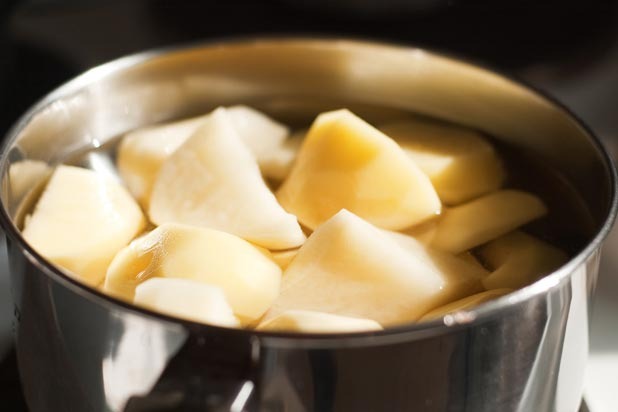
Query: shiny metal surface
x: 81, y: 351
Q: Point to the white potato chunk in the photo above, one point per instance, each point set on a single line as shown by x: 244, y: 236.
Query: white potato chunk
x: 460, y: 163
x: 214, y: 181
x: 143, y: 151
x: 81, y: 220
x: 518, y: 259
x: 283, y: 258
x: 318, y: 322
x: 260, y: 133
x: 349, y: 267
x: 246, y: 273
x: 471, y: 224
x: 277, y: 165
x: 187, y: 299
x: 344, y: 162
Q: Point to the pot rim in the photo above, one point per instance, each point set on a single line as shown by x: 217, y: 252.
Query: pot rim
x: 393, y: 334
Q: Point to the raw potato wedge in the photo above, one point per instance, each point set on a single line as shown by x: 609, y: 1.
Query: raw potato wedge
x: 260, y: 133
x: 214, y: 181
x: 25, y: 176
x: 345, y: 162
x: 349, y: 267
x: 318, y: 322
x: 248, y: 276
x: 471, y: 224
x: 466, y: 303
x: 460, y: 163
x: 519, y: 259
x: 283, y: 258
x: 143, y: 151
x: 187, y: 299
x: 27, y: 180
x: 81, y: 220
x: 277, y: 164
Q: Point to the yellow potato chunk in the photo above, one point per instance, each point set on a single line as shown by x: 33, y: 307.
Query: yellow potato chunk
x: 466, y: 303
x: 247, y: 275
x: 318, y: 322
x: 143, y: 151
x: 214, y: 181
x: 349, y: 267
x: 81, y: 220
x: 471, y: 224
x: 518, y: 259
x: 187, y: 299
x: 346, y: 163
x: 460, y: 163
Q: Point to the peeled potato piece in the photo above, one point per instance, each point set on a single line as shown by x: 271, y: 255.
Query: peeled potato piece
x: 317, y: 322
x: 187, y: 299
x: 260, y: 133
x: 81, y: 220
x: 346, y: 163
x: 27, y: 179
x: 519, y: 259
x: 283, y: 258
x: 143, y: 151
x: 460, y: 163
x: 213, y: 180
x: 246, y: 274
x: 471, y: 224
x: 466, y: 303
x: 277, y: 164
x: 26, y: 175
x: 349, y: 267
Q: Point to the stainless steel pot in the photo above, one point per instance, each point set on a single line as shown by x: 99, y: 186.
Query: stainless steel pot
x: 79, y: 350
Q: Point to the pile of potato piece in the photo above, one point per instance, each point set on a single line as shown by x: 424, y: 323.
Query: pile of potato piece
x: 367, y: 227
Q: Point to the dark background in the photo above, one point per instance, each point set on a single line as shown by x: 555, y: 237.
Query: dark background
x: 45, y: 42
x: 569, y: 48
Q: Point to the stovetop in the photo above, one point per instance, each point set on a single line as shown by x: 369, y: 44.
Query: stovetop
x: 569, y: 49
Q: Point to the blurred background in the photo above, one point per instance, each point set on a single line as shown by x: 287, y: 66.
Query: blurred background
x: 569, y: 49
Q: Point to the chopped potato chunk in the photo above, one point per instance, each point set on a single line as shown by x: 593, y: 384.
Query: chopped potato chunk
x: 519, y: 259
x: 276, y: 166
x: 471, y: 224
x: 283, y: 258
x: 187, y: 299
x: 318, y: 322
x: 460, y: 162
x: 143, y: 151
x: 81, y: 220
x: 349, y: 267
x: 213, y: 181
x: 346, y: 163
x: 248, y: 276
